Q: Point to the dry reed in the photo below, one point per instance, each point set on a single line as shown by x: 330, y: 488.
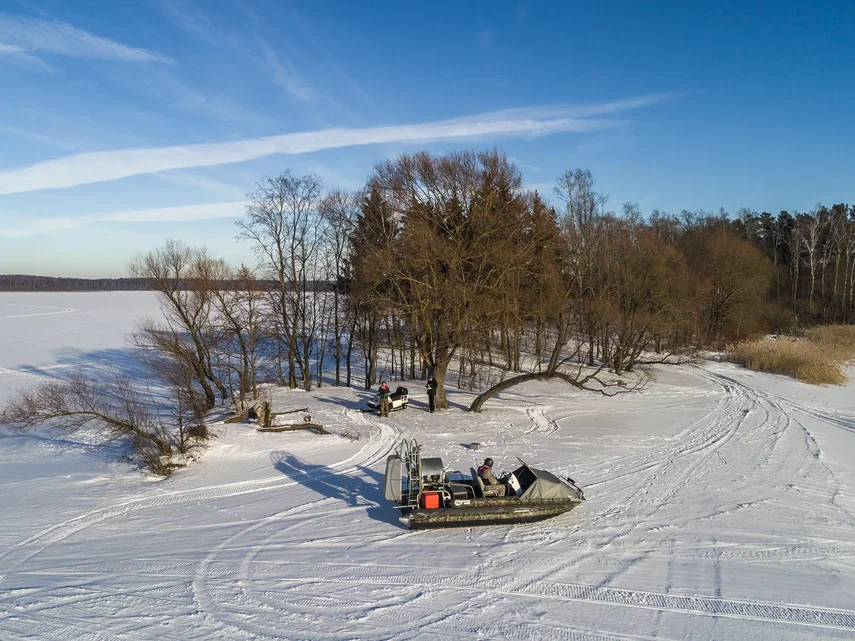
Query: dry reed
x: 816, y: 358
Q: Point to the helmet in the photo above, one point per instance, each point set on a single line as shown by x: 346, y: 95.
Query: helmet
x: 488, y: 462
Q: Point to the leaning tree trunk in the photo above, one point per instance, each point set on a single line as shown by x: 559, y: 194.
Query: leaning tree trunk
x: 210, y: 397
x: 516, y: 380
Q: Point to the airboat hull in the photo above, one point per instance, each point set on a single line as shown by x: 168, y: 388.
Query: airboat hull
x: 428, y: 498
x: 498, y: 512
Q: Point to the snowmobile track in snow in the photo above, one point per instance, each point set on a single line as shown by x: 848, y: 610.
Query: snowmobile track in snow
x: 621, y: 597
x: 254, y: 584
x: 375, y: 450
x: 543, y: 423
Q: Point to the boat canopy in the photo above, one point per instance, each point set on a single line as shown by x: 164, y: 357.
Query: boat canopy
x: 540, y: 484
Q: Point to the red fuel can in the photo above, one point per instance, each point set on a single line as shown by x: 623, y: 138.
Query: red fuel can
x: 430, y: 500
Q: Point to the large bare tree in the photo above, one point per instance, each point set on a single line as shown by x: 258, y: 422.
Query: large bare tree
x: 113, y: 406
x: 185, y: 280
x: 282, y: 223
x: 340, y: 211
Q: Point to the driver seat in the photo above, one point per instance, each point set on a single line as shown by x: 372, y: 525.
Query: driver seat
x: 483, y: 491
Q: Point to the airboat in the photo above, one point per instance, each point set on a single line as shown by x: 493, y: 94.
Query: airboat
x: 429, y: 497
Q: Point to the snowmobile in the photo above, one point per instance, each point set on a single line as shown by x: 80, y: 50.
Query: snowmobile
x: 398, y: 400
x: 430, y: 498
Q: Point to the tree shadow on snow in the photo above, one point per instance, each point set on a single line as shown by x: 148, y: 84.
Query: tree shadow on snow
x: 349, y: 403
x: 364, y: 488
x: 456, y: 405
x: 121, y: 360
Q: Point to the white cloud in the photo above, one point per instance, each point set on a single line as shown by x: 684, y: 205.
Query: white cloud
x: 31, y: 134
x: 19, y: 56
x: 102, y: 166
x: 520, y: 163
x: 166, y: 86
x: 286, y: 77
x: 186, y: 213
x: 27, y: 35
x: 283, y: 71
x: 195, y: 181
x: 585, y: 111
x: 334, y: 177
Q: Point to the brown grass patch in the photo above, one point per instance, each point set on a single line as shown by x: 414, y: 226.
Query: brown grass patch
x: 816, y: 358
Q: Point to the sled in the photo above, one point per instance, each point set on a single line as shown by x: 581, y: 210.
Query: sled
x: 429, y: 498
x: 398, y: 400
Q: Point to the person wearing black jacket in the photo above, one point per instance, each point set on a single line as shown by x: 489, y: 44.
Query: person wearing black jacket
x: 431, y: 390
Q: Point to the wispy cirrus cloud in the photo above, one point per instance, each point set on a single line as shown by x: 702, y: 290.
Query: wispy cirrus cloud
x: 19, y: 56
x: 195, y: 181
x: 27, y: 36
x: 192, y: 20
x: 185, y: 213
x: 588, y: 110
x: 285, y: 75
x: 92, y: 167
x: 31, y: 134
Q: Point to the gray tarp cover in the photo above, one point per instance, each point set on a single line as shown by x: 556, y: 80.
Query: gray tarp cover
x: 548, y: 486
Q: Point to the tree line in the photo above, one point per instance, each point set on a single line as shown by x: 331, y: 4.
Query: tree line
x: 28, y: 283
x: 813, y: 254
x: 449, y: 260
x: 447, y: 266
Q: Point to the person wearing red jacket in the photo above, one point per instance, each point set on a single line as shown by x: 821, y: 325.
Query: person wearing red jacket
x: 492, y: 485
x: 384, y: 392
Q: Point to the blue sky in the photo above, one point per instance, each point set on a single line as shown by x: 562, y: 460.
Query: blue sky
x: 122, y: 124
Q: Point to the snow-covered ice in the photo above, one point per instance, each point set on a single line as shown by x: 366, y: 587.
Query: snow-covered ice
x: 720, y: 506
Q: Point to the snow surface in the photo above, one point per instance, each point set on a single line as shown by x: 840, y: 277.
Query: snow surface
x: 720, y: 506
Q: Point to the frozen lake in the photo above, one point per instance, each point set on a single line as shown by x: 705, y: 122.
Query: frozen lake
x: 721, y: 505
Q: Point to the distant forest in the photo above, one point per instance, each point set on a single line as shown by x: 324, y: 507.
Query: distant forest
x: 27, y: 283
x: 812, y: 255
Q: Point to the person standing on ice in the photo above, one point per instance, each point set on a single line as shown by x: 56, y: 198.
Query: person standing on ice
x: 431, y: 390
x: 491, y: 483
x: 384, y: 399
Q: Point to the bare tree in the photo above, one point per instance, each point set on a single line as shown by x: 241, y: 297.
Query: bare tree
x: 238, y: 302
x: 114, y: 408
x: 732, y: 279
x: 183, y: 279
x: 282, y: 223
x: 580, y: 221
x: 340, y: 211
x: 809, y: 234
